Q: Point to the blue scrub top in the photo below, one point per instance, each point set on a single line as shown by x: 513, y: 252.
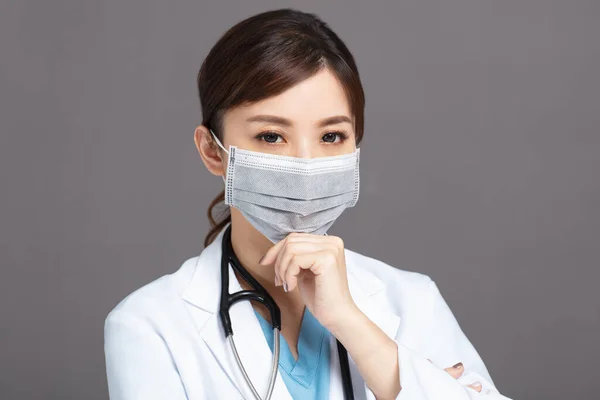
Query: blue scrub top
x: 308, y: 377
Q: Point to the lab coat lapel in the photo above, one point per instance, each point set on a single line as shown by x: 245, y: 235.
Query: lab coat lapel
x: 368, y: 293
x: 203, y: 292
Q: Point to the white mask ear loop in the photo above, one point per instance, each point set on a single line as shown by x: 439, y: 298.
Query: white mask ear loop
x: 218, y: 141
x: 220, y: 145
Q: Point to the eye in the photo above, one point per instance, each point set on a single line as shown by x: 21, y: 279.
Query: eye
x: 269, y: 137
x: 330, y: 137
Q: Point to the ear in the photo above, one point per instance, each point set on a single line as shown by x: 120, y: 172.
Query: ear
x: 212, y: 155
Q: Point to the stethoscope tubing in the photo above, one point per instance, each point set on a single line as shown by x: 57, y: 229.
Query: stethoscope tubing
x: 274, y: 366
x: 259, y: 294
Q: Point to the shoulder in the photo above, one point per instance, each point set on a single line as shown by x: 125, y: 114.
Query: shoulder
x: 155, y: 299
x: 373, y: 270
x: 407, y: 293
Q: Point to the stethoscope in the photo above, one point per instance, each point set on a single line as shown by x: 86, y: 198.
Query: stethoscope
x: 260, y: 295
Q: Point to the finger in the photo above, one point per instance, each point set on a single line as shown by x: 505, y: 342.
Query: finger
x: 309, y: 237
x: 298, y: 247
x: 294, y: 265
x: 288, y: 251
x: 456, y: 370
x: 271, y: 254
x: 287, y: 254
x: 476, y: 386
x: 310, y: 261
x: 277, y: 280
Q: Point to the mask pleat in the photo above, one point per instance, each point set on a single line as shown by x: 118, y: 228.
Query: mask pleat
x: 280, y: 194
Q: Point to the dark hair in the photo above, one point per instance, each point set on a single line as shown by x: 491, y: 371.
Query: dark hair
x: 263, y: 56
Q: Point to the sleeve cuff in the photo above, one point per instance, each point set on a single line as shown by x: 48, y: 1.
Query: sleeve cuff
x: 422, y: 380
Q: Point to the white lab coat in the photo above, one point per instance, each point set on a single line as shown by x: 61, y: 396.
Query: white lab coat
x: 165, y: 340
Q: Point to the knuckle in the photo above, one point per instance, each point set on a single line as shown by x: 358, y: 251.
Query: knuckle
x: 293, y: 258
x: 317, y: 268
x: 331, y: 257
x: 294, y: 235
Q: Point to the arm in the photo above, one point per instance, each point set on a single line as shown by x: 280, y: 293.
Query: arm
x: 446, y: 344
x: 393, y: 371
x: 374, y: 353
x: 138, y: 362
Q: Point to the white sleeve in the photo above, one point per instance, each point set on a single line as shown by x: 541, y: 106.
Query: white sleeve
x: 446, y: 343
x: 138, y: 362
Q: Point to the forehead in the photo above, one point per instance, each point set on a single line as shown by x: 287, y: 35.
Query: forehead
x: 315, y: 98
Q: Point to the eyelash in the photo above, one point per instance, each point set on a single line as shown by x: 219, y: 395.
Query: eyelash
x: 342, y: 135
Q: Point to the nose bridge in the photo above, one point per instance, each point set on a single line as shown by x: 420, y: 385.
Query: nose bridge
x: 303, y: 148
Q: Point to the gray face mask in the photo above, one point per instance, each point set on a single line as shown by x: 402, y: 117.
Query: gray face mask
x: 282, y: 194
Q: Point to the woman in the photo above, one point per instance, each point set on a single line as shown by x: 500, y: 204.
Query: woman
x: 282, y: 93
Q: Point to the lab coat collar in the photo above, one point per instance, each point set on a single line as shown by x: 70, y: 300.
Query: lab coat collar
x: 203, y: 292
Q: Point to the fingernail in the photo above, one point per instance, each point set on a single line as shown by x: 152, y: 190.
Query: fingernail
x: 458, y: 365
x: 476, y: 383
x: 259, y: 261
x: 285, y: 288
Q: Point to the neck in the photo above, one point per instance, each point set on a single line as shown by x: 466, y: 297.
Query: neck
x: 249, y: 246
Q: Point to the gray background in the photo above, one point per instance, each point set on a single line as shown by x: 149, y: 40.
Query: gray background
x: 479, y: 168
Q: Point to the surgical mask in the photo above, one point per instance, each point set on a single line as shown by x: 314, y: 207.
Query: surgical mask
x: 282, y: 194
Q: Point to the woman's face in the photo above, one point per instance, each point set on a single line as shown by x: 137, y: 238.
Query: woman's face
x: 311, y: 119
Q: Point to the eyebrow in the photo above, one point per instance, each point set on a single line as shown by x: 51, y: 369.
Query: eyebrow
x: 273, y: 119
